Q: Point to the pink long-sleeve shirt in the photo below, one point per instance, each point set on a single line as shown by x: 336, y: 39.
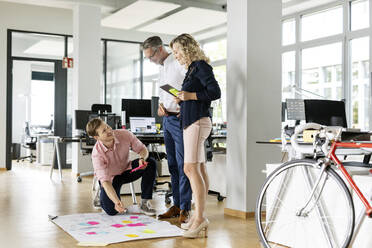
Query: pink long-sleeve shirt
x: 108, y: 163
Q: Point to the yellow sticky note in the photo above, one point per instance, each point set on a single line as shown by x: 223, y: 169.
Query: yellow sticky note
x: 127, y: 221
x: 148, y: 231
x: 173, y: 91
x: 132, y: 235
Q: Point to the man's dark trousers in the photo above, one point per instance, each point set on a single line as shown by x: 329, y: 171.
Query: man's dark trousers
x: 173, y: 139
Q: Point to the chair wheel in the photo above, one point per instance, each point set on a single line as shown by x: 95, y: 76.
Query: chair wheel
x: 78, y: 179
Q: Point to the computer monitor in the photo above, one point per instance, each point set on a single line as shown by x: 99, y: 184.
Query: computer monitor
x: 325, y: 112
x: 136, y: 108
x: 144, y: 125
x: 81, y: 118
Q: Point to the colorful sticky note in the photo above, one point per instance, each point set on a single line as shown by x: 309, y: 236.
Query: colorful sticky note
x: 136, y: 224
x: 131, y: 235
x: 117, y: 225
x: 148, y: 231
x: 127, y: 221
x: 134, y: 217
x: 90, y: 233
x: 84, y: 224
x: 93, y: 222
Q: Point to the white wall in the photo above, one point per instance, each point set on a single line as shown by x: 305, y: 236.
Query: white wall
x: 41, y: 19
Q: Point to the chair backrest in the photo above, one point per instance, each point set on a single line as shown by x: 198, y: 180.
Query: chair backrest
x: 27, y: 140
x: 27, y: 129
x: 101, y: 108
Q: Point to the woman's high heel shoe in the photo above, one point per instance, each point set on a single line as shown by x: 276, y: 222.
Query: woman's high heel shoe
x: 186, y: 226
x: 195, y: 233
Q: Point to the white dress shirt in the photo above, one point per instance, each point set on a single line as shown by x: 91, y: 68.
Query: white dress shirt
x: 172, y: 73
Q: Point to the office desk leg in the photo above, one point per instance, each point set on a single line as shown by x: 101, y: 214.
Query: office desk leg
x: 59, y: 161
x: 56, y: 153
x: 54, y: 158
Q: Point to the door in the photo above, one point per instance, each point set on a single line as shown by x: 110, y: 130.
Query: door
x: 37, y: 99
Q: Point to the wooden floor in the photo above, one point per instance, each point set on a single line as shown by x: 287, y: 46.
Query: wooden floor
x: 27, y: 196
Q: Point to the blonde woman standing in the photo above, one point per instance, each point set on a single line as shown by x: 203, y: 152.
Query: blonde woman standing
x: 199, y: 88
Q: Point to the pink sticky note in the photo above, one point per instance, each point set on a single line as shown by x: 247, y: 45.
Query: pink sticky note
x: 117, y: 225
x: 91, y: 233
x: 136, y: 224
x: 93, y: 222
x: 134, y: 217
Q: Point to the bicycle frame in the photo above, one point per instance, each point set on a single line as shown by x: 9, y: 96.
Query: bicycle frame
x: 332, y: 156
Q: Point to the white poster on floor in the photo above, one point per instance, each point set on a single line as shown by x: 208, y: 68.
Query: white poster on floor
x: 100, y: 228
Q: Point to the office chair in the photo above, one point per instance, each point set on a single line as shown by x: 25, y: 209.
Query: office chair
x: 29, y: 143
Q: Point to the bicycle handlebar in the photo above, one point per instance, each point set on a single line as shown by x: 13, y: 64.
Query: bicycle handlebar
x: 326, y: 132
x: 299, y: 129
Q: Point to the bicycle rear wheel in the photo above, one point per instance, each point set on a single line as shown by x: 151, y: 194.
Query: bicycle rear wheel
x: 282, y: 221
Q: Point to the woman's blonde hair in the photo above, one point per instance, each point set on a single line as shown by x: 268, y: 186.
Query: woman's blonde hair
x: 190, y: 48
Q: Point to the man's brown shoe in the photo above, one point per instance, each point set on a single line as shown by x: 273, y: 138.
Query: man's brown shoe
x: 172, y: 212
x: 184, y: 215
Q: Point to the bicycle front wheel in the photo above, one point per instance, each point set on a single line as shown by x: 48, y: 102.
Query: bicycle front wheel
x: 289, y: 215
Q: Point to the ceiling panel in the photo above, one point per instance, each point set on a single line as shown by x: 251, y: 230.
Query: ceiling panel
x: 189, y: 20
x: 212, y: 33
x: 137, y: 13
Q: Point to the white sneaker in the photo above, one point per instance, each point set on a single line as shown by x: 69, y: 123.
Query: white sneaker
x: 147, y: 209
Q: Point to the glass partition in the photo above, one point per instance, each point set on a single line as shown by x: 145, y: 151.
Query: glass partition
x: 123, y: 73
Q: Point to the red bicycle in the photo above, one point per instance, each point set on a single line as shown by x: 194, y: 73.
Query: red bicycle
x: 306, y: 202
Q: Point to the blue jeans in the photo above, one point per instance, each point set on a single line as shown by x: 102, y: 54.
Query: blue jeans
x: 173, y: 139
x: 147, y: 184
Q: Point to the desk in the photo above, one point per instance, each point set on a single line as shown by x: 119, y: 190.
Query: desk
x: 57, y: 154
x: 309, y: 146
x: 39, y: 138
x: 151, y: 138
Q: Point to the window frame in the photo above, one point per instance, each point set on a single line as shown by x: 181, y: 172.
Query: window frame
x: 345, y: 37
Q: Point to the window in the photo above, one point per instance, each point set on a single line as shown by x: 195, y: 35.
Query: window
x: 42, y: 102
x: 359, y: 14
x: 360, y: 89
x: 216, y: 51
x: 289, y: 32
x: 150, y: 79
x: 219, y: 106
x: 123, y: 73
x: 320, y: 69
x: 288, y: 74
x: 33, y: 45
x: 322, y: 24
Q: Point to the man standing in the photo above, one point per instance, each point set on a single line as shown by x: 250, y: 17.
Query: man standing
x: 113, y: 168
x: 172, y: 73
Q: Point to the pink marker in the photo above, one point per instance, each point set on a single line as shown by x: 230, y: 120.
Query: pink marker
x: 139, y: 167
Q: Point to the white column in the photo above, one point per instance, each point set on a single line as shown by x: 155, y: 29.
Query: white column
x: 253, y: 97
x: 87, y: 70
